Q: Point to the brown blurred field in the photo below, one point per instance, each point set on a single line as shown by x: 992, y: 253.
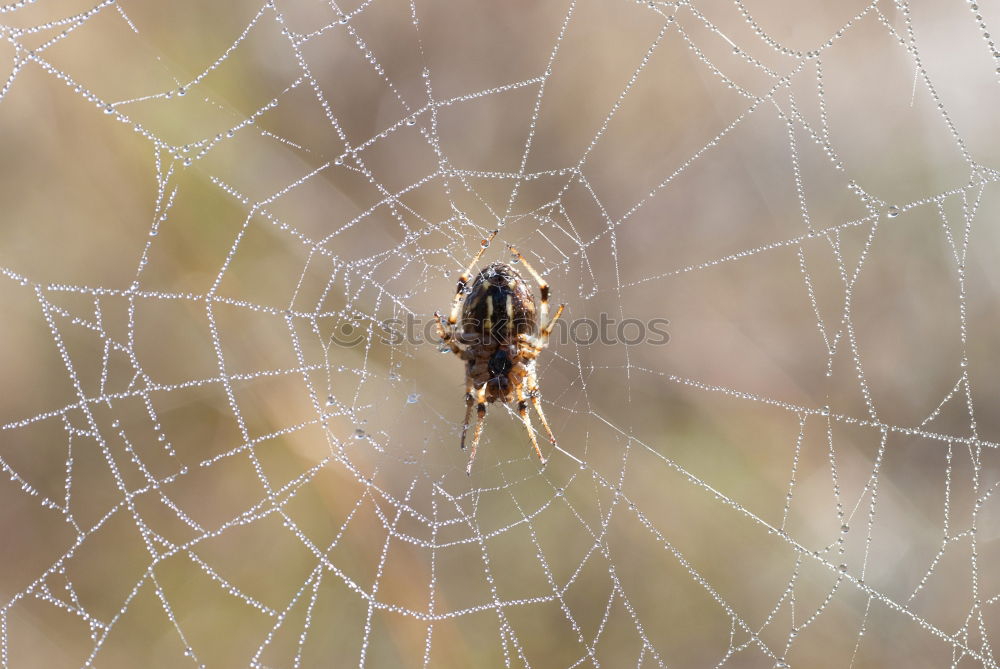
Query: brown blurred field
x: 196, y: 198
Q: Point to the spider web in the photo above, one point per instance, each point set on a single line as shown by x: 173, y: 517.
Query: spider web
x: 201, y: 201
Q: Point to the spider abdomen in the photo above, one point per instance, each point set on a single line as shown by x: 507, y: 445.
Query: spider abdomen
x: 499, y: 305
x: 499, y: 364
x: 498, y: 369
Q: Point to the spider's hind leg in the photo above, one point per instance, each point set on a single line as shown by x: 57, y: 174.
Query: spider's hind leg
x: 522, y: 411
x: 470, y: 401
x: 541, y: 414
x: 478, y: 431
x: 533, y: 392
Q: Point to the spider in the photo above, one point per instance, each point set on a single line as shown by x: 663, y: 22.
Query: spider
x: 502, y: 338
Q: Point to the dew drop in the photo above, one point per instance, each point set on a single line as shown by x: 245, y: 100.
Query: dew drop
x: 339, y: 160
x: 843, y: 568
x: 845, y: 527
x: 485, y: 243
x: 359, y: 434
x: 412, y: 398
x: 892, y: 211
x: 411, y: 121
x: 181, y: 91
x: 108, y: 109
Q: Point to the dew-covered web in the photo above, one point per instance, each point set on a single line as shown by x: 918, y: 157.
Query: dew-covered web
x: 218, y: 219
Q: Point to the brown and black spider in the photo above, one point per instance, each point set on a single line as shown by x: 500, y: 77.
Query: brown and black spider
x: 502, y: 338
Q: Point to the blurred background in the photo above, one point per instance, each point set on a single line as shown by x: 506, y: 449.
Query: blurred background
x: 200, y: 202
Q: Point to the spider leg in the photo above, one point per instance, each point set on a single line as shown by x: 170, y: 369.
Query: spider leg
x: 543, y: 290
x: 541, y: 414
x: 446, y: 334
x: 478, y: 431
x: 533, y: 393
x: 543, y: 334
x: 463, y: 279
x: 543, y: 286
x: 522, y: 411
x: 470, y: 401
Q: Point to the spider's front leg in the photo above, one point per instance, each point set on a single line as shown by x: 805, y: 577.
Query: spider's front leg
x: 542, y: 339
x: 463, y: 281
x: 544, y: 333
